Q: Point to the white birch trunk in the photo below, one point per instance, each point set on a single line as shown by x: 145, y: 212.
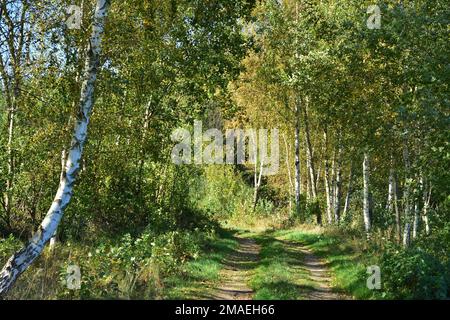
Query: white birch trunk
x: 366, y: 196
x: 407, y: 234
x: 310, y: 157
x: 257, y: 181
x: 288, y: 168
x: 391, y: 205
x: 416, y: 220
x: 20, y: 261
x: 327, y: 182
x: 338, y: 189
x: 297, y: 158
x: 52, y: 242
x: 391, y: 188
x: 394, y: 204
x: 426, y: 205
x: 406, y: 198
x: 349, y: 191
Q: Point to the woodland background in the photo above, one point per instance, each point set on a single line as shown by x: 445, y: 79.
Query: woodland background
x: 363, y: 116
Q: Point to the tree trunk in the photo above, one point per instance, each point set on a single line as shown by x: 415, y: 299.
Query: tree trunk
x: 394, y: 204
x: 349, y: 192
x: 406, y: 197
x: 257, y: 181
x: 309, y: 156
x: 288, y: 168
x: 426, y: 205
x: 366, y: 194
x: 416, y: 220
x: 297, y: 157
x: 327, y: 181
x: 391, y: 204
x: 338, y: 190
x: 391, y: 188
x: 52, y: 242
x: 20, y: 261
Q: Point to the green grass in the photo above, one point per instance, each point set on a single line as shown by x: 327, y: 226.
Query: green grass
x: 347, y: 264
x: 279, y: 274
x: 198, y: 277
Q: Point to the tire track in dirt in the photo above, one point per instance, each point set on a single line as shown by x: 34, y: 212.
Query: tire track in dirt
x: 237, y: 271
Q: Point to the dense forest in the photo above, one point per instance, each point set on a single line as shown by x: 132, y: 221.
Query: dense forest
x: 145, y: 143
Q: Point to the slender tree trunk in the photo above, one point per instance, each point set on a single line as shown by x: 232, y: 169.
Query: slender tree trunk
x: 366, y: 194
x: 318, y: 171
x: 391, y: 205
x: 309, y: 155
x: 20, y: 261
x: 327, y: 181
x: 349, y: 191
x: 333, y: 181
x: 392, y: 202
x: 426, y: 205
x: 288, y: 168
x: 406, y: 198
x: 416, y: 220
x: 338, y: 190
x: 257, y: 181
x: 307, y: 179
x: 297, y: 157
x: 391, y: 188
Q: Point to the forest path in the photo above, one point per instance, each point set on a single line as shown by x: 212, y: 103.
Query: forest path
x: 318, y: 273
x: 309, y: 277
x: 237, y: 272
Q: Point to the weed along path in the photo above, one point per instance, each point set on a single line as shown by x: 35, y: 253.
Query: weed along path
x: 237, y: 270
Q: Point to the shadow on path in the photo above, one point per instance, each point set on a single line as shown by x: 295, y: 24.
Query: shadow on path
x: 236, y: 273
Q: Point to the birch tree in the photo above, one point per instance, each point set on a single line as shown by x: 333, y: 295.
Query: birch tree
x: 20, y: 261
x: 349, y: 191
x: 327, y: 182
x: 366, y: 194
x: 297, y: 184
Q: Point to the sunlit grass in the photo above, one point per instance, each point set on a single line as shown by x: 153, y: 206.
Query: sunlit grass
x: 199, y: 277
x: 279, y: 275
x: 347, y: 264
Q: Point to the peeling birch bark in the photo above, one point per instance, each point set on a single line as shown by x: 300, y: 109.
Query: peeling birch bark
x: 20, y: 261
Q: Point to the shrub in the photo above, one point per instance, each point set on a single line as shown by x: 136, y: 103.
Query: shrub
x: 412, y: 274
